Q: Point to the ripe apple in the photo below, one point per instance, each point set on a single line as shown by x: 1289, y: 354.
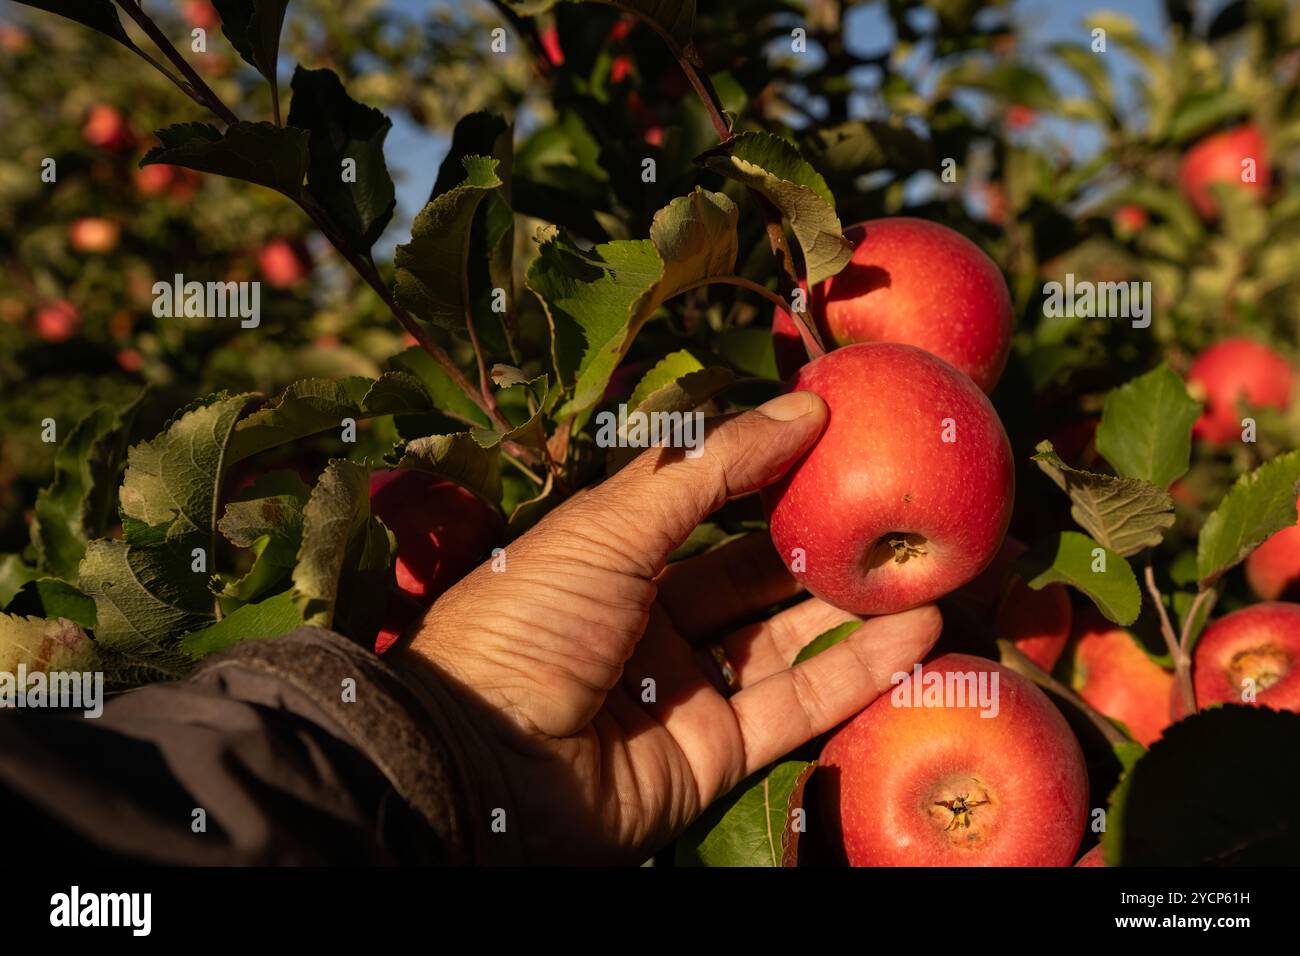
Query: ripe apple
x: 1217, y: 159
x: 1130, y: 219
x: 1036, y: 622
x: 945, y: 786
x: 57, y: 321
x: 93, y: 234
x: 1273, y: 569
x: 1093, y: 857
x: 550, y: 38
x: 1231, y: 370
x: 129, y: 360
x: 443, y: 531
x: 106, y: 128
x: 915, y: 282
x: 1256, y: 649
x: 283, y: 263
x: 1020, y: 116
x: 1116, y: 677
x: 200, y: 13
x: 153, y: 180
x: 906, y: 495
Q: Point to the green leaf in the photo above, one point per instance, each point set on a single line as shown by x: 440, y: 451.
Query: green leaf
x: 826, y: 640
x: 99, y: 15
x: 81, y: 502
x: 459, y: 457
x: 314, y: 405
x: 253, y: 29
x: 445, y: 395
x: 775, y: 169
x: 14, y: 573
x: 261, y: 153
x: 173, y: 481
x: 344, y: 562
x: 343, y: 129
x: 273, y: 617
x: 1068, y: 558
x: 492, y: 234
x: 1169, y: 811
x: 1255, y: 507
x: 432, y: 281
x: 54, y: 598
x: 144, y: 597
x: 751, y: 825
x: 1146, y: 427
x: 41, y: 644
x: 145, y: 587
x: 268, y: 520
x: 677, y: 383
x: 1201, y: 110
x: 1126, y: 515
x: 597, y: 301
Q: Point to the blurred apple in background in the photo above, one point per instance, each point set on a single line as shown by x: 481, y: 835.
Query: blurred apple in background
x: 283, y: 263
x: 57, y: 322
x: 1218, y: 159
x: 1229, y: 371
x: 92, y: 234
x: 106, y: 128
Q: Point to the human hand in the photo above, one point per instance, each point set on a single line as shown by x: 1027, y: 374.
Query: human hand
x: 586, y: 668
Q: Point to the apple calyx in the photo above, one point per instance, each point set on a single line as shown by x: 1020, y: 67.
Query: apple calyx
x: 905, y: 546
x: 964, y: 811
x: 1262, y: 666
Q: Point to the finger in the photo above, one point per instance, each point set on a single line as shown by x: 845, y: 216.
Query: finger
x: 793, y: 706
x: 767, y: 647
x: 646, y: 510
x: 722, y: 587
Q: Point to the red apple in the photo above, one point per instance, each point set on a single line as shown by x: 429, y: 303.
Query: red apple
x: 906, y: 495
x: 1020, y: 116
x: 1273, y: 569
x: 443, y: 532
x: 1232, y: 370
x: 200, y: 13
x: 1116, y: 677
x: 129, y: 360
x: 1130, y: 219
x: 1093, y: 857
x: 550, y: 38
x: 915, y: 282
x: 952, y: 785
x: 106, y: 128
x: 58, y: 321
x: 92, y: 234
x: 154, y: 179
x: 620, y: 69
x: 283, y: 263
x: 1036, y: 622
x: 1217, y: 159
x: 1255, y: 649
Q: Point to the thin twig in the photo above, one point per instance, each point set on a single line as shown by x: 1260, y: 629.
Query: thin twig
x: 205, y: 96
x: 1166, y: 627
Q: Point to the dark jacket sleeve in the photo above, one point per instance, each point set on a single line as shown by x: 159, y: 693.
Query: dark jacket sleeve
x: 301, y: 750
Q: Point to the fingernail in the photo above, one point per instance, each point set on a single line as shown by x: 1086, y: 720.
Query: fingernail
x: 788, y: 407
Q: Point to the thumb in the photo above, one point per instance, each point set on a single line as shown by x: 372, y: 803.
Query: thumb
x: 657, y: 500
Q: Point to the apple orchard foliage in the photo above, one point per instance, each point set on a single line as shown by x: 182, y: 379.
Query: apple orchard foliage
x: 550, y: 276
